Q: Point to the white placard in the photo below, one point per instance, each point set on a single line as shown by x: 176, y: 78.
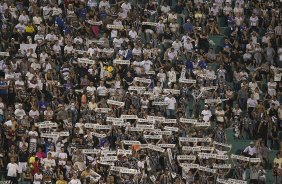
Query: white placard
x: 169, y: 155
x: 233, y: 181
x: 145, y: 127
x: 209, y: 88
x: 143, y: 80
x: 152, y: 136
x: 223, y: 181
x: 102, y: 110
x: 129, y: 117
x: 102, y: 127
x: 4, y: 54
x: 206, y: 169
x: 108, y: 158
x: 137, y: 88
x: 156, y: 148
x: 149, y: 23
x: 160, y: 103
x: 255, y: 160
x: 188, y: 148
x: 222, y: 144
x: 86, y: 61
x: 105, y: 163
x: 25, y: 47
x: 121, y: 62
x: 238, y: 157
x: 124, y: 152
x: 108, y: 152
x: 203, y: 124
x: 111, y: 26
x: 192, y: 121
x: 99, y: 135
x: 166, y: 145
x: 173, y: 91
x: 188, y: 81
x: 90, y: 151
x: 186, y: 157
x: 190, y: 166
x: 172, y: 121
x: 213, y: 77
x: 135, y: 129
x: 111, y: 119
x: 91, y: 22
x: 117, y: 103
x: 174, y: 129
x: 151, y: 73
x: 167, y: 132
x: 128, y: 142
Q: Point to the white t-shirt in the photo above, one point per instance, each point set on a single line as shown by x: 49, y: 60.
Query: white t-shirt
x: 207, y: 115
x: 75, y: 181
x: 12, y: 169
x: 147, y: 65
x: 171, y: 103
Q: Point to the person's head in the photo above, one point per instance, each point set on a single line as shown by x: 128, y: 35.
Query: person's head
x: 252, y: 144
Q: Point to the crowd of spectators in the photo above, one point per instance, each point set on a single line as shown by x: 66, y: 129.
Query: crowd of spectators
x: 139, y: 92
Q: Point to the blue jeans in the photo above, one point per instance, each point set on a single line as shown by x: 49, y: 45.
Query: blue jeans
x: 170, y: 113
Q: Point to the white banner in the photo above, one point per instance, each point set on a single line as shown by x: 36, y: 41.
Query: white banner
x: 137, y: 88
x: 152, y: 136
x: 4, y: 54
x: 121, y: 62
x: 130, y: 142
x: 213, y: 77
x: 145, y: 127
x: 206, y: 169
x: 117, y: 103
x: 172, y: 121
x: 135, y: 129
x: 102, y: 110
x: 255, y: 160
x: 238, y: 157
x: 173, y: 91
x: 209, y: 88
x: 160, y: 103
x: 105, y: 163
x: 90, y: 151
x: 111, y: 26
x: 169, y: 155
x: 186, y: 157
x: 143, y: 80
x: 166, y: 145
x: 156, y: 148
x: 124, y: 152
x: 25, y: 47
x: 188, y: 148
x: 233, y: 181
x: 190, y: 166
x: 128, y: 117
x: 108, y: 158
x: 188, y: 81
x: 149, y: 23
x: 91, y: 22
x: 174, y: 129
x: 192, y: 121
x: 99, y: 135
x: 111, y: 119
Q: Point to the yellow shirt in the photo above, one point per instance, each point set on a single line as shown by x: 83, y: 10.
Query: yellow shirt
x: 61, y: 182
x: 29, y: 29
x: 278, y: 161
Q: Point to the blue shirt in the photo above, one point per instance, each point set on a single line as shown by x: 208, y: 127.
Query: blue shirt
x: 202, y: 64
x: 3, y: 91
x: 189, y: 65
x: 60, y: 22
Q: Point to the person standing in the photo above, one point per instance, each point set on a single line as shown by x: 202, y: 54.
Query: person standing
x: 171, y: 105
x: 12, y: 168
